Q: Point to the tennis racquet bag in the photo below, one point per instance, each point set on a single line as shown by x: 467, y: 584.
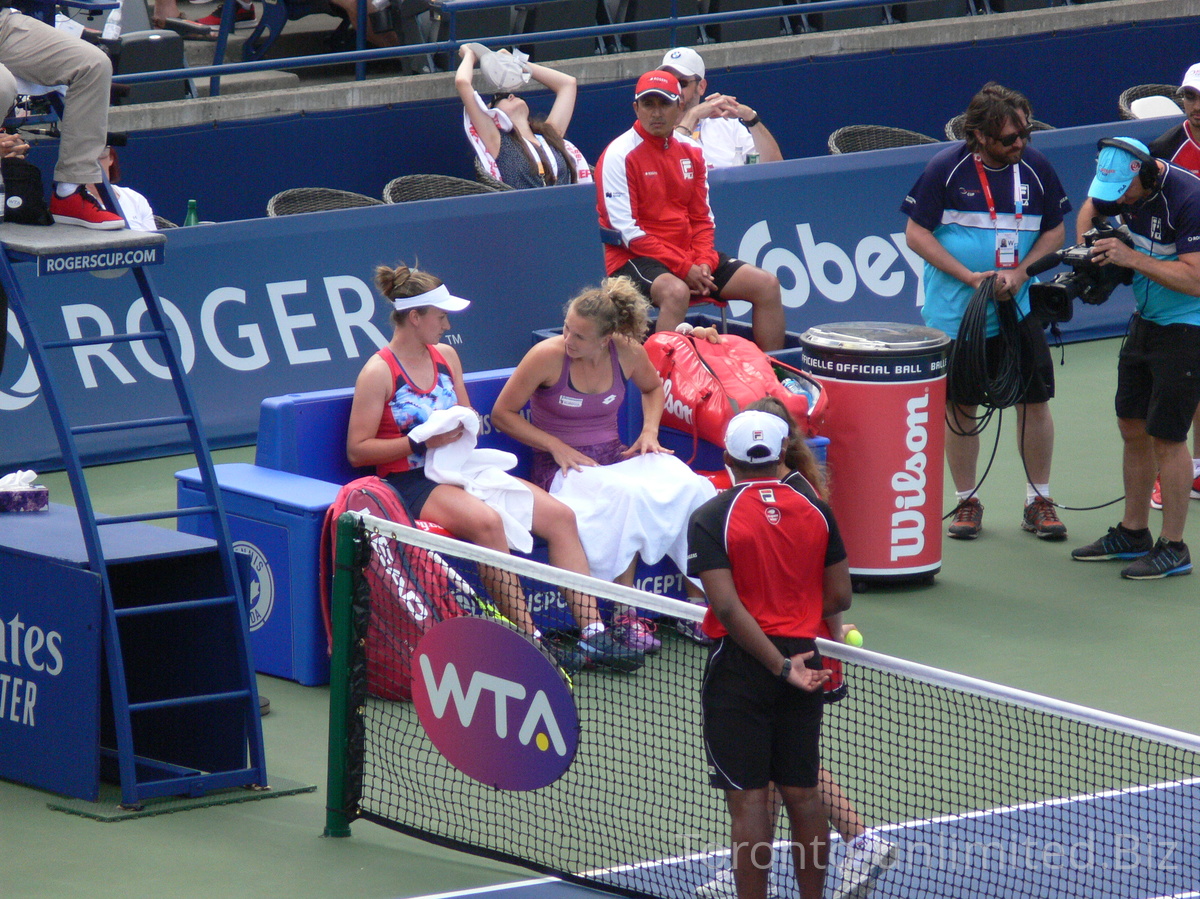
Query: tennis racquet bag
x: 409, y: 589
x: 706, y: 384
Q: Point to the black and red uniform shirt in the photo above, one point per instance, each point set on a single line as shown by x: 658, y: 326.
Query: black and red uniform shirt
x: 777, y: 542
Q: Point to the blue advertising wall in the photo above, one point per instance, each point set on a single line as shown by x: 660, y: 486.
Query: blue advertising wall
x: 275, y: 306
x: 1072, y: 78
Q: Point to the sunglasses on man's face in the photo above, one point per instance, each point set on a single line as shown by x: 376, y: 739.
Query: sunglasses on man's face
x: 1009, y: 139
x: 1191, y: 96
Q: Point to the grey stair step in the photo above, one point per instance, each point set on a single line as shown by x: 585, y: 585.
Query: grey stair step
x: 251, y: 82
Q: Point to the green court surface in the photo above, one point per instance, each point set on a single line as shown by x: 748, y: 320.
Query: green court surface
x: 1006, y: 607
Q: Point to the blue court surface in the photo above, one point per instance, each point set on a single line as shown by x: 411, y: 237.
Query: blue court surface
x: 1033, y: 850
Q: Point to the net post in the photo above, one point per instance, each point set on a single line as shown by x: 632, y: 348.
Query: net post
x: 337, y: 822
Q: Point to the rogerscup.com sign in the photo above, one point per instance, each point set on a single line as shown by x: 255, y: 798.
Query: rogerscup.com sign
x: 99, y: 260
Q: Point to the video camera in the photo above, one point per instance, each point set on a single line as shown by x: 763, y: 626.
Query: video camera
x: 1091, y: 282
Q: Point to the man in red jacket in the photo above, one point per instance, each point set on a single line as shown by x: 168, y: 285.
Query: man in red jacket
x: 652, y: 197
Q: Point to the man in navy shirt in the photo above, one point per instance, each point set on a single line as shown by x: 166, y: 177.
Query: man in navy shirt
x: 983, y: 207
x: 1158, y: 370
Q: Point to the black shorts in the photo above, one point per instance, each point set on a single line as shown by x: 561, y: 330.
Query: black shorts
x: 757, y: 729
x: 645, y: 269
x: 414, y: 488
x: 1037, y: 365
x: 1158, y: 377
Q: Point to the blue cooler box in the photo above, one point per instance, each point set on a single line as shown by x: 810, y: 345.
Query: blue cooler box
x: 275, y: 519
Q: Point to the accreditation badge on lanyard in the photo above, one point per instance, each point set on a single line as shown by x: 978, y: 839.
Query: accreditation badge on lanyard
x: 1006, y: 239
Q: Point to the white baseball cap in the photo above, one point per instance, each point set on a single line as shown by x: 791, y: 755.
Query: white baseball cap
x: 1191, y: 78
x: 755, y: 436
x: 685, y: 61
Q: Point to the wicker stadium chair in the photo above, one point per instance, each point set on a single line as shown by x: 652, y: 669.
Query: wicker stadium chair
x: 430, y: 187
x: 483, y: 176
x: 163, y: 224
x: 954, y: 127
x: 316, y: 199
x: 1145, y: 90
x: 856, y: 138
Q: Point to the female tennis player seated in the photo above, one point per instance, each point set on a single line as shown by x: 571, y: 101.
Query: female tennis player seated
x: 397, y: 390
x: 628, y: 501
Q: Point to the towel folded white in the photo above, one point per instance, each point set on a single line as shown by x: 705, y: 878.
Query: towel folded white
x: 483, y: 473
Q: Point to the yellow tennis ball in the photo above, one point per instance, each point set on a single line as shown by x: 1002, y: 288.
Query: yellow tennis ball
x: 854, y: 637
x: 543, y: 742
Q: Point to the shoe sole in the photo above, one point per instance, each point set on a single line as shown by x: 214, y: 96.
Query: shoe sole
x: 1111, y: 557
x: 861, y: 890
x: 1158, y: 576
x: 1045, y: 535
x: 91, y: 226
x: 613, y: 664
x: 963, y: 536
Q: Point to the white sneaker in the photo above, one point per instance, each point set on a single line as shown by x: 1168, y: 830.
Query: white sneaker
x: 722, y: 887
x: 863, y: 865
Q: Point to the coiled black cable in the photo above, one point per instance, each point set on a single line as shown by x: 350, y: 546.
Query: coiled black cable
x: 977, y: 379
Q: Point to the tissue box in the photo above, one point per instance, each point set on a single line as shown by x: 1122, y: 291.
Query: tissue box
x: 34, y: 498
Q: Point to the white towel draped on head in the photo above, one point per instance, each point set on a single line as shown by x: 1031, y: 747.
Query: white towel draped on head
x: 582, y: 170
x: 483, y: 473
x: 638, y: 507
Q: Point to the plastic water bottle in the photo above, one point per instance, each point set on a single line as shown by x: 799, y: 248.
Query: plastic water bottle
x: 193, y: 215
x: 112, y: 27
x: 794, y: 386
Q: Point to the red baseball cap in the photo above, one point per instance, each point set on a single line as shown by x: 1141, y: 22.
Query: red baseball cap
x: 658, y: 82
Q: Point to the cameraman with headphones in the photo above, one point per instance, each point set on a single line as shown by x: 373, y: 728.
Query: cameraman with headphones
x: 1158, y: 370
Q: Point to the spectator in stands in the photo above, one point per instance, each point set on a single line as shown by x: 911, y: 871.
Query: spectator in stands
x: 576, y: 385
x: 773, y: 566
x: 984, y: 207
x: 39, y: 54
x: 729, y: 132
x: 1181, y: 146
x: 397, y: 390
x: 652, y: 197
x: 519, y: 149
x: 137, y: 209
x: 243, y: 15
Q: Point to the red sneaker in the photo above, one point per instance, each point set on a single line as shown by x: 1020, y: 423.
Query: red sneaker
x: 1156, y: 496
x: 243, y: 15
x: 84, y: 210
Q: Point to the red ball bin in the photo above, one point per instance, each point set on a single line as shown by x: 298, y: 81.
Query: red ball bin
x: 886, y: 384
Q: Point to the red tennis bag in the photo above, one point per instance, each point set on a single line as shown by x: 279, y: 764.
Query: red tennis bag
x: 706, y: 384
x: 410, y: 588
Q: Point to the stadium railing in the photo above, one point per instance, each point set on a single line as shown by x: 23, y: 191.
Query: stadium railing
x: 450, y: 8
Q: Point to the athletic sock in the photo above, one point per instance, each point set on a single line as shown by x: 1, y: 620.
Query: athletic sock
x: 963, y: 494
x: 592, y: 629
x: 1033, y: 491
x: 64, y: 189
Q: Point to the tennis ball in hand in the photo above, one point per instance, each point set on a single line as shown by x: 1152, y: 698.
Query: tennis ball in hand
x: 854, y: 637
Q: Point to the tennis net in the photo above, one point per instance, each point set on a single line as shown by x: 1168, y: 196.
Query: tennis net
x: 981, y: 790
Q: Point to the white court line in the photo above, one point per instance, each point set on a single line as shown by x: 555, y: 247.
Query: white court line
x: 944, y: 819
x: 478, y: 891
x: 1192, y: 895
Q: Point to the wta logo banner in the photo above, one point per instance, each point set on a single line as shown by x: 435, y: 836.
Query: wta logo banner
x: 494, y: 706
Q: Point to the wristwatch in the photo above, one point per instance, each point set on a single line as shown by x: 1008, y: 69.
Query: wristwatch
x: 785, y: 670
x: 750, y: 123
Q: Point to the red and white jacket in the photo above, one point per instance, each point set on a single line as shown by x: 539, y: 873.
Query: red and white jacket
x: 653, y: 193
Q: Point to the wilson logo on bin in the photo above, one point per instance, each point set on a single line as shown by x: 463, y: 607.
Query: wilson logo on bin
x: 494, y: 706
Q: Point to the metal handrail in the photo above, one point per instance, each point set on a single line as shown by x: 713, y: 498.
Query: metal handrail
x: 673, y: 22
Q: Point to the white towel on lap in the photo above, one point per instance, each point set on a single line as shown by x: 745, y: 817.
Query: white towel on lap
x: 483, y: 473
x: 638, y: 507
